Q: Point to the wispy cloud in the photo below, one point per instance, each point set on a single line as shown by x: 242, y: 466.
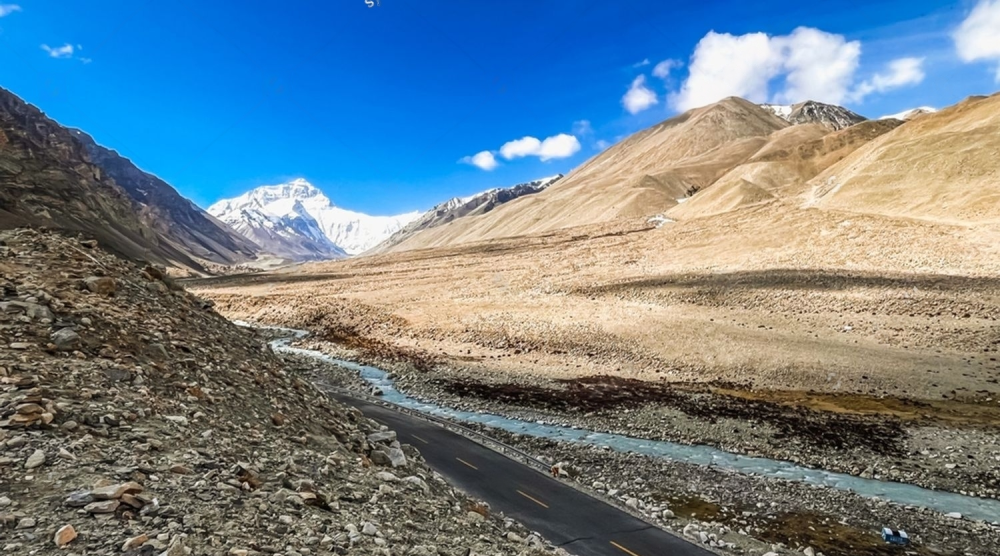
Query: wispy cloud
x: 583, y: 128
x: 976, y: 39
x: 643, y: 63
x: 64, y: 51
x: 663, y: 69
x: 639, y: 97
x: 900, y: 73
x: 483, y: 160
x: 7, y: 9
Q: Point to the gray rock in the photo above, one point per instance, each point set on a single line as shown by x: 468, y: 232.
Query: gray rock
x: 369, y: 529
x: 35, y: 460
x: 417, y: 482
x: 393, y: 457
x: 102, y: 507
x: 79, y: 499
x: 65, y: 338
x: 382, y: 436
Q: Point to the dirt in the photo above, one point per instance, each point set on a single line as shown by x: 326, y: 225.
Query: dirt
x: 605, y: 393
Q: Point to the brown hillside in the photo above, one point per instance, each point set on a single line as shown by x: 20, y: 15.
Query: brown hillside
x: 643, y: 174
x: 781, y: 168
x: 941, y: 167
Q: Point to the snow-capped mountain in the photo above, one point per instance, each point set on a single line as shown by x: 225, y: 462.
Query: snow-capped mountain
x: 473, y: 205
x: 812, y: 112
x: 906, y: 115
x: 296, y: 220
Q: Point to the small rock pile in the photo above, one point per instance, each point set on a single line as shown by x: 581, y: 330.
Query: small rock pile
x: 135, y: 420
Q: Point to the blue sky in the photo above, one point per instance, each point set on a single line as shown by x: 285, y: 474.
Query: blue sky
x: 379, y: 106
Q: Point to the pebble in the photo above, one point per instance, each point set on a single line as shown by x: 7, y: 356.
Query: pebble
x: 64, y: 535
x: 36, y: 459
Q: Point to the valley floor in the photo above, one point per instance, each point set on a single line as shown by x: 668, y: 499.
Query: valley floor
x: 849, y: 342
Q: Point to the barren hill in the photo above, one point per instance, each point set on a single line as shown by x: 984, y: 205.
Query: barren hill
x: 940, y: 166
x: 781, y: 168
x: 645, y: 173
x: 51, y: 176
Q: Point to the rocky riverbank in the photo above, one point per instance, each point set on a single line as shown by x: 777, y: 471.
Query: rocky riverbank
x: 930, y: 454
x: 744, y: 514
x: 136, y: 420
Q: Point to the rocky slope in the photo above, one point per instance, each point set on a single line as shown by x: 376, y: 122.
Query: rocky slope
x: 460, y: 207
x: 51, y: 176
x: 170, y: 215
x: 830, y: 116
x: 283, y: 219
x: 136, y: 420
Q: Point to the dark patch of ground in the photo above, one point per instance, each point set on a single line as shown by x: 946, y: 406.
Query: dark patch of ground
x: 608, y: 393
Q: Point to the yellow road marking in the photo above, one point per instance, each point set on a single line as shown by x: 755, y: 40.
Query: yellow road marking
x: 467, y: 463
x: 623, y: 549
x: 420, y: 439
x: 533, y: 499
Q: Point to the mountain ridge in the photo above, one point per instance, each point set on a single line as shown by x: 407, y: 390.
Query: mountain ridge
x: 48, y: 178
x: 462, y: 207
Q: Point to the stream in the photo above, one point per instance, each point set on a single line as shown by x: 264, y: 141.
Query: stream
x: 970, y: 507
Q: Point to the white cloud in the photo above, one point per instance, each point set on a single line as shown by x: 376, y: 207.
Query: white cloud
x: 643, y: 63
x: 519, y: 148
x: 483, y: 160
x: 978, y: 37
x: 7, y: 9
x: 557, y: 146
x: 663, y: 69
x: 818, y: 65
x: 601, y: 144
x: 64, y: 51
x: 562, y: 145
x: 639, y: 97
x: 900, y: 73
x: 726, y: 65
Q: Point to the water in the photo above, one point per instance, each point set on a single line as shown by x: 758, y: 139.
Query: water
x: 910, y: 495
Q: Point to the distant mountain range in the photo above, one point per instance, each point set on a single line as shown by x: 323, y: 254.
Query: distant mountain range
x: 715, y: 159
x: 296, y: 220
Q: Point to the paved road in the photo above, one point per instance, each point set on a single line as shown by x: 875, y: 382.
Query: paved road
x: 563, y: 515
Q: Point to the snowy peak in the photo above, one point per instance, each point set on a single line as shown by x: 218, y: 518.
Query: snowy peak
x: 812, y: 112
x: 296, y: 220
x: 907, y: 115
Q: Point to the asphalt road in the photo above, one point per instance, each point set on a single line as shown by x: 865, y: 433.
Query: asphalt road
x: 563, y: 515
